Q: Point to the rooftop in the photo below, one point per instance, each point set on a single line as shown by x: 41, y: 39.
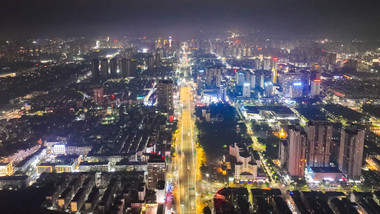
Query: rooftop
x: 275, y: 109
x: 325, y: 170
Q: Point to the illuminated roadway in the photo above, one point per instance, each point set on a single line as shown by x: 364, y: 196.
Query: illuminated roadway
x: 187, y: 156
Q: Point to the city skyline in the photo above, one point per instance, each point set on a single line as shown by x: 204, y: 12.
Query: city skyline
x: 190, y: 107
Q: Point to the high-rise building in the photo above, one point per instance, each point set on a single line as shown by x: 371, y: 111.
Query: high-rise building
x: 296, y: 89
x: 239, y: 51
x: 222, y: 93
x: 165, y: 96
x: 274, y: 63
x: 246, y: 90
x: 113, y: 68
x: 158, y: 43
x: 319, y: 135
x: 283, y: 152
x: 315, y: 87
x: 258, y: 64
x: 177, y: 50
x: 104, y: 69
x: 218, y: 77
x: 213, y: 77
x: 234, y: 51
x: 150, y: 62
x: 125, y: 72
x: 240, y: 78
x: 132, y: 66
x: 160, y: 53
x: 247, y: 76
x: 127, y: 67
x: 156, y: 170
x: 157, y: 59
x: 268, y: 88
x: 315, y: 84
x: 274, y: 75
x: 267, y: 63
x: 253, y: 80
x: 297, y: 144
x: 351, y: 151
x: 209, y: 77
x: 244, y: 51
x: 95, y: 69
x: 290, y: 82
x: 249, y: 52
x: 98, y: 95
x: 262, y: 81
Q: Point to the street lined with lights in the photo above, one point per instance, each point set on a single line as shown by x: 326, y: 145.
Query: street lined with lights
x: 187, y: 155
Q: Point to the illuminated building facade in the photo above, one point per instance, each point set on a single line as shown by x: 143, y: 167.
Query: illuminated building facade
x: 165, y: 96
x: 297, y: 141
x: 274, y: 63
x: 245, y: 167
x: 296, y: 90
x: 247, y: 90
x: 156, y: 170
x: 45, y: 167
x: 268, y: 87
x: 267, y: 64
x: 351, y: 151
x: 213, y: 77
x: 315, y: 87
x: 253, y: 80
x: 291, y: 84
x: 315, y: 84
x: 6, y: 169
x: 59, y: 149
x: 223, y: 93
x: 274, y: 76
x: 240, y: 78
x: 113, y: 67
x: 319, y: 135
x: 262, y: 80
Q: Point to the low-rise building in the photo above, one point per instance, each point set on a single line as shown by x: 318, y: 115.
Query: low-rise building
x: 94, y: 166
x: 245, y: 167
x: 325, y: 173
x: 6, y: 169
x: 14, y: 182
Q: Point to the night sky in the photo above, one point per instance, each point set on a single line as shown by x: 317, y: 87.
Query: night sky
x: 186, y: 19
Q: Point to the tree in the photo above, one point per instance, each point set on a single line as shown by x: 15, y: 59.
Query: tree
x: 207, y: 210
